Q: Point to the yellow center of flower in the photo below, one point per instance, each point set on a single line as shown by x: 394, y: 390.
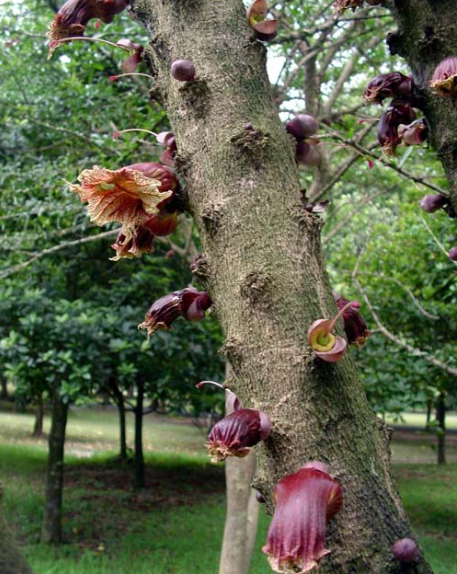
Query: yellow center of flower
x: 322, y: 341
x: 107, y: 186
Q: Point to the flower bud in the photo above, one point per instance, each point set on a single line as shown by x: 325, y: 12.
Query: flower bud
x: 131, y: 63
x: 265, y: 30
x: 235, y: 433
x: 413, y: 134
x: 183, y: 70
x: 405, y: 550
x: 393, y: 85
x: 431, y: 203
x: 302, y: 126
x: 305, y: 502
x: 354, y: 325
x: 188, y: 303
x: 444, y: 79
x: 453, y: 254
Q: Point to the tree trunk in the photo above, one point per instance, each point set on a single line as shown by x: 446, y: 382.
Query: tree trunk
x: 441, y: 418
x: 262, y: 265
x: 12, y: 560
x: 241, y: 519
x: 429, y: 413
x: 120, y: 403
x: 4, y: 391
x: 427, y: 33
x: 139, y: 457
x: 52, y: 519
x: 39, y: 416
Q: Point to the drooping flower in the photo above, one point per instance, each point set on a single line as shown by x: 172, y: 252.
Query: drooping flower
x: 413, y: 134
x: 405, y: 550
x: 399, y: 112
x: 134, y: 242
x: 188, y: 303
x: 131, y: 63
x: 168, y: 140
x: 444, y: 79
x: 74, y: 15
x: 431, y: 203
x: 265, y: 29
x: 392, y: 85
x: 236, y: 433
x: 130, y: 195
x: 305, y: 502
x: 354, y: 325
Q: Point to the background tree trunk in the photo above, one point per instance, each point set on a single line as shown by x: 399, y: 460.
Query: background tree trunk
x: 427, y: 33
x: 139, y: 456
x: 441, y: 418
x: 12, y: 560
x: 122, y: 430
x: 241, y: 518
x: 39, y: 416
x: 52, y: 519
x: 4, y: 389
x: 263, y: 267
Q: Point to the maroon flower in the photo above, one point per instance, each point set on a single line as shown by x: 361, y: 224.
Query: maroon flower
x: 399, y: 112
x: 131, y: 63
x: 431, y: 203
x: 305, y: 502
x: 188, y: 303
x: 257, y: 17
x: 168, y: 140
x: 393, y: 85
x: 444, y: 79
x: 235, y: 433
x: 405, y: 550
x: 74, y: 15
x: 413, y: 134
x: 354, y: 325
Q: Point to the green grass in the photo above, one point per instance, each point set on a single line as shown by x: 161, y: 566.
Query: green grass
x: 419, y: 420
x: 175, y: 525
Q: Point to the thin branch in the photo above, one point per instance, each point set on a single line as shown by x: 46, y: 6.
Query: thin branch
x: 54, y: 249
x: 435, y: 238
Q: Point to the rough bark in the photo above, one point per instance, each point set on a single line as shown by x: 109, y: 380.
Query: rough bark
x: 12, y: 560
x: 263, y: 267
x: 241, y: 518
x: 427, y: 33
x: 52, y: 519
x: 139, y: 469
x: 39, y: 416
x: 441, y: 418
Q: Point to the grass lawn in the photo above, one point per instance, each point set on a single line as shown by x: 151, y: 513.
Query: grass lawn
x: 175, y: 525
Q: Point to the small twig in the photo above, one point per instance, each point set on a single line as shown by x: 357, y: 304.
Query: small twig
x: 435, y: 238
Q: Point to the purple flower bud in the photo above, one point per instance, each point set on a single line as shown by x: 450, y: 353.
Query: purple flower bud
x: 305, y: 502
x: 393, y: 85
x: 235, y: 433
x: 260, y: 499
x: 302, y: 126
x: 405, y: 550
x: 354, y: 325
x: 188, y: 303
x: 453, y: 254
x: 183, y: 70
x: 444, y: 80
x: 431, y: 203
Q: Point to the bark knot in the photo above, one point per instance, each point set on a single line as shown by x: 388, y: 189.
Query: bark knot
x: 255, y: 288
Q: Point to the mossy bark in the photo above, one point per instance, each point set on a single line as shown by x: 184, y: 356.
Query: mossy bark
x: 262, y: 264
x: 427, y: 33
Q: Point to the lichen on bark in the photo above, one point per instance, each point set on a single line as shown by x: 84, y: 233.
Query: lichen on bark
x: 264, y: 270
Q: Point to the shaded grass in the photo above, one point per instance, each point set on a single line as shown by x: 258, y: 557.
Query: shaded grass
x: 175, y: 525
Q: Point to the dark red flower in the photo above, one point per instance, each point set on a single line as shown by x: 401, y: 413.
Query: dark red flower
x: 74, y: 15
x: 131, y: 63
x: 444, y: 79
x: 399, y: 112
x: 405, y: 550
x: 305, y: 502
x: 168, y: 140
x: 393, y: 85
x: 354, y: 325
x: 264, y: 29
x: 188, y: 303
x: 235, y: 433
x: 413, y: 134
